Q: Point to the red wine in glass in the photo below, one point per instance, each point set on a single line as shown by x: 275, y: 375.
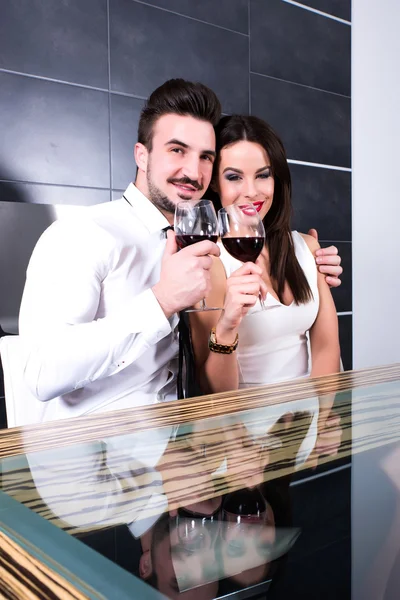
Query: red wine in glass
x: 194, y: 222
x: 246, y: 249
x: 242, y: 233
x: 184, y: 240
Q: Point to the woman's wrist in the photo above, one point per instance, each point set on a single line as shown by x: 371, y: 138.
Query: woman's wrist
x: 225, y: 334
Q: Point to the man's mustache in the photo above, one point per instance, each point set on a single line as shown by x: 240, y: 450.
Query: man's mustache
x: 187, y: 181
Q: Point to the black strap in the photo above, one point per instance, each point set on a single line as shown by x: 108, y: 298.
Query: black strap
x: 179, y: 381
x: 187, y: 384
x: 165, y: 229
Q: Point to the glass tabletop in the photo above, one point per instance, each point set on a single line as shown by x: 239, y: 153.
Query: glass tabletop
x: 262, y: 493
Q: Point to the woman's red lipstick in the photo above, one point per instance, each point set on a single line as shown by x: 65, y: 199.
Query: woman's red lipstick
x: 258, y: 205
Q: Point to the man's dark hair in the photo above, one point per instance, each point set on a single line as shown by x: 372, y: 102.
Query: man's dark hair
x: 179, y: 97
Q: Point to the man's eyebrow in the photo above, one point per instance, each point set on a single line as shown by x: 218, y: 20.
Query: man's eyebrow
x: 175, y: 142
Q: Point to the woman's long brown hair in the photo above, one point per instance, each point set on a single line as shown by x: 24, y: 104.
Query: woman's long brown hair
x: 283, y: 261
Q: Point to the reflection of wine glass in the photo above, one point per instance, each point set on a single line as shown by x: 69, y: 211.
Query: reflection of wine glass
x: 241, y: 510
x: 194, y: 537
x: 195, y: 221
x: 197, y: 531
x: 242, y: 232
x: 245, y: 506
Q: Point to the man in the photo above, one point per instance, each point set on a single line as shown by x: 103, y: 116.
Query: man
x: 98, y: 318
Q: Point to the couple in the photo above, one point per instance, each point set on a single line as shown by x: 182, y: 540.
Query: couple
x: 99, y: 313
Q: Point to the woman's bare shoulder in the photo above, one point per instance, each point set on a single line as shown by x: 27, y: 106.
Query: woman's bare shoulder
x: 311, y: 242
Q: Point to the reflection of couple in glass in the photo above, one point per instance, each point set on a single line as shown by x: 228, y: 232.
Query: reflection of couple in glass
x: 216, y: 545
x: 157, y: 482
x: 236, y: 539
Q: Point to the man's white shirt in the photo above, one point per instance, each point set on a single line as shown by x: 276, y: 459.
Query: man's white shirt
x: 93, y: 334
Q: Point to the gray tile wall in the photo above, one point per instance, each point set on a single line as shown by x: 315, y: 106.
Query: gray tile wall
x: 74, y: 75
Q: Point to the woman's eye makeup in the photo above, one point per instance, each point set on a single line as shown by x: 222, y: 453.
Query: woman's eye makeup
x: 265, y: 174
x: 236, y: 177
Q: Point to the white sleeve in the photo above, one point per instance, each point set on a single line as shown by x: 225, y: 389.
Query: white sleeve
x: 64, y: 348
x: 107, y: 489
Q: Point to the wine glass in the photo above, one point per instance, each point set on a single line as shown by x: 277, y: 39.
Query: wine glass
x: 245, y: 506
x: 244, y: 513
x: 242, y: 233
x: 195, y: 221
x: 195, y: 529
x: 194, y: 536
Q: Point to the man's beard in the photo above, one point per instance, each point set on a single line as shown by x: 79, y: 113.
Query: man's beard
x: 159, y: 199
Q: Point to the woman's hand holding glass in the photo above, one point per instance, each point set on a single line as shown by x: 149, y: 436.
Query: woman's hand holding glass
x: 243, y: 289
x: 243, y: 236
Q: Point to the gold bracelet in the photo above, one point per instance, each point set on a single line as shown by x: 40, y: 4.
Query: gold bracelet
x: 214, y: 346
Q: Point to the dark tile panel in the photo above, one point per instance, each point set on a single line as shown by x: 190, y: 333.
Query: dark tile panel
x: 232, y: 14
x: 149, y: 46
x: 326, y: 524
x: 319, y: 500
x: 322, y: 509
x: 125, y: 113
x: 3, y: 413
x: 314, y: 125
x: 128, y: 550
x: 315, y: 537
x: 322, y: 200
x: 346, y: 341
x: 53, y: 133
x: 343, y: 295
x: 298, y: 45
x: 50, y: 194
x: 102, y: 541
x: 325, y: 574
x: 337, y: 8
x: 61, y: 40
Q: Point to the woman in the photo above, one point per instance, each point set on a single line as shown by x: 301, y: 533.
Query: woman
x: 272, y: 343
